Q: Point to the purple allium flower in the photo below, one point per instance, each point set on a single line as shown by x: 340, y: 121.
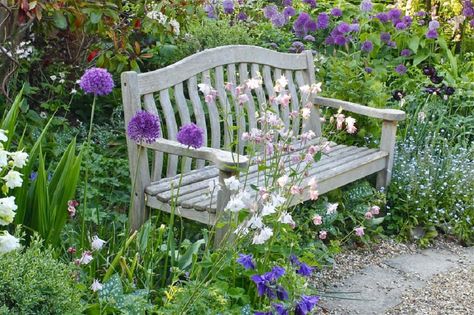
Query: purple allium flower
x: 281, y: 293
x: 273, y: 45
x: 242, y: 16
x: 269, y: 11
x: 190, y: 135
x: 401, y: 69
x: 323, y: 21
x: 472, y: 23
x: 405, y: 52
x: 366, y: 6
x: 432, y: 34
x: 329, y: 40
x: 305, y: 270
x: 287, y: 3
x: 340, y: 40
x: 420, y: 14
x: 310, y: 26
x: 298, y: 46
x: 228, y: 6
x: 468, y: 9
x: 343, y: 28
x: 309, y: 38
x: 383, y: 17
x: 289, y: 11
x: 280, y: 309
x: 336, y: 12
x: 97, y: 81
x: 298, y: 25
x: 312, y: 3
x: 355, y: 27
x: 392, y: 44
x: 367, y: 46
x: 277, y: 272
x: 246, y: 261
x: 407, y: 20
x: 385, y: 37
x: 394, y: 14
x: 278, y: 20
x: 401, y: 26
x: 368, y: 69
x: 210, y: 11
x: 306, y: 304
x: 433, y: 25
x: 144, y: 127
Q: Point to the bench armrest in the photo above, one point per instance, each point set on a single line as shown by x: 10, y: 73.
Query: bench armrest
x: 224, y: 160
x: 385, y: 114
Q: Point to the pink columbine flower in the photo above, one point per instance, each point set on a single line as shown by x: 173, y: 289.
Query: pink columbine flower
x: 332, y: 208
x: 339, y: 120
x: 313, y: 194
x: 350, y: 125
x: 359, y: 231
x: 85, y: 259
x: 368, y: 215
x: 283, y: 99
x: 243, y: 98
x: 375, y: 210
x: 229, y: 86
x: 295, y: 190
x: 97, y: 243
x: 313, y: 149
x: 323, y: 235
x: 71, y: 250
x: 313, y: 183
x: 295, y: 158
x: 317, y: 220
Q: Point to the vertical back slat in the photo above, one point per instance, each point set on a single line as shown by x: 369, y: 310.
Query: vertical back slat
x: 267, y: 80
x: 255, y: 72
x: 284, y: 110
x: 214, y: 118
x: 171, y: 128
x: 198, y: 112
x: 295, y: 106
x: 150, y: 106
x: 225, y: 105
x: 300, y: 80
x: 184, y: 117
x: 250, y: 105
x: 315, y: 120
x: 231, y: 77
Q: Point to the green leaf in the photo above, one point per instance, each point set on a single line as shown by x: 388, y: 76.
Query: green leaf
x: 60, y: 20
x: 187, y: 258
x: 96, y: 16
x: 414, y: 43
x: 377, y: 221
x: 420, y: 57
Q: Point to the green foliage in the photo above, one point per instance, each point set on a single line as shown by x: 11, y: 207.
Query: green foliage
x: 34, y: 282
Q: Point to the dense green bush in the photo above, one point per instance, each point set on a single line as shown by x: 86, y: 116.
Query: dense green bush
x: 34, y: 282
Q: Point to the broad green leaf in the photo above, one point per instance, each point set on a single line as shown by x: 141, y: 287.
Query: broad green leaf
x: 60, y: 20
x: 187, y: 258
x: 414, y: 43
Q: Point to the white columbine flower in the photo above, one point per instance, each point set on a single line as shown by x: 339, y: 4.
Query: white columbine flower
x: 282, y: 181
x: 97, y: 243
x: 13, y: 179
x: 278, y: 200
x: 286, y: 218
x: 254, y: 83
x: 332, y: 207
x: 8, y: 242
x: 3, y: 135
x: 19, y: 158
x: 267, y: 209
x: 53, y: 77
x: 7, y: 208
x: 96, y: 285
x: 255, y: 222
x: 73, y: 91
x: 235, y: 204
x: 3, y: 158
x: 263, y: 236
x: 232, y: 183
x: 85, y: 259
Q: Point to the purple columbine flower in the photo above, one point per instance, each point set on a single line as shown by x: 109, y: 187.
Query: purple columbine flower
x: 449, y: 90
x: 401, y: 69
x: 312, y: 3
x: 267, y: 280
x: 366, y: 6
x: 269, y: 11
x: 367, y: 46
x: 289, y: 11
x: 281, y: 293
x: 336, y: 12
x: 228, y: 6
x: 280, y: 309
x: 97, y: 81
x: 405, y: 52
x: 306, y: 304
x: 436, y: 79
x: 191, y: 135
x: 429, y: 70
x: 383, y: 17
x: 263, y: 313
x: 305, y: 270
x: 385, y: 37
x: 323, y: 21
x: 144, y: 127
x: 432, y: 34
x: 246, y: 261
x: 368, y: 69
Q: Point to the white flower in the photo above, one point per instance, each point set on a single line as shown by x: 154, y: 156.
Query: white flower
x: 8, y: 242
x: 313, y: 184
x: 85, y: 259
x: 78, y: 81
x: 43, y: 115
x: 7, y: 208
x: 332, y: 208
x: 62, y: 75
x: 175, y: 25
x: 19, y: 158
x: 242, y: 229
x: 286, y: 218
x: 282, y: 181
x: 97, y: 243
x: 73, y: 91
x: 267, y: 209
x: 235, y: 204
x: 316, y: 88
x: 254, y: 83
x: 157, y: 15
x: 96, y: 285
x: 13, y: 179
x: 263, y: 236
x: 232, y: 183
x: 3, y: 158
x: 305, y: 89
x: 214, y: 186
x: 306, y: 112
x: 278, y: 200
x: 281, y: 83
x: 53, y: 77
x: 255, y: 222
x: 3, y: 136
x: 61, y: 81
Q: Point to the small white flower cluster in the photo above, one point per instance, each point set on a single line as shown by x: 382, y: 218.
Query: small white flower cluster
x: 22, y: 51
x: 8, y: 162
x: 154, y: 14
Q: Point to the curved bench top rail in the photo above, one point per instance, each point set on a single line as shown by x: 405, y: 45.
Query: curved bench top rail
x: 164, y: 78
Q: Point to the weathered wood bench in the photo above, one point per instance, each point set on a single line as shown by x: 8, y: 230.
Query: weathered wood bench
x: 176, y: 90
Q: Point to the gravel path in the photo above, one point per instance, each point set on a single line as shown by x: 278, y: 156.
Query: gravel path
x: 395, y: 278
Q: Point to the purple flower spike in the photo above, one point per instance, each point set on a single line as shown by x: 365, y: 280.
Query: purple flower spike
x: 394, y: 14
x: 367, y: 46
x: 289, y: 11
x: 190, y: 135
x: 246, y: 261
x: 401, y: 69
x: 97, y: 81
x: 383, y: 17
x: 385, y: 37
x: 336, y: 12
x: 144, y: 127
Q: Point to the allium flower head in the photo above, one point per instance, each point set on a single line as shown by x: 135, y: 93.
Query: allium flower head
x: 336, y: 12
x: 287, y: 3
x: 432, y: 34
x: 312, y: 3
x: 394, y: 14
x: 191, y: 135
x: 144, y: 127
x: 367, y: 46
x: 433, y: 25
x: 97, y: 81
x: 405, y: 53
x: 366, y: 6
x: 383, y: 17
x: 278, y: 20
x: 385, y: 37
x: 269, y: 11
x: 289, y: 11
x: 323, y: 21
x: 401, y: 69
x: 228, y: 6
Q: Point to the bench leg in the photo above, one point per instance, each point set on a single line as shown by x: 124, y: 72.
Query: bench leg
x: 223, y: 197
x: 387, y: 144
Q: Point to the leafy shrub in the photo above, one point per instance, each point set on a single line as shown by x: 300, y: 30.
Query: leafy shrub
x: 33, y: 282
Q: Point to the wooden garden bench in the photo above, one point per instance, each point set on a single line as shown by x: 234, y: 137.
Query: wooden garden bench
x: 175, y: 90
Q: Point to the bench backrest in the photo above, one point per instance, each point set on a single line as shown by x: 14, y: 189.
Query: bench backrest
x: 173, y: 93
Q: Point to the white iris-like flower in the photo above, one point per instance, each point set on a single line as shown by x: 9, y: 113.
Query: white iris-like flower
x: 13, y: 179
x: 8, y: 242
x: 19, y: 158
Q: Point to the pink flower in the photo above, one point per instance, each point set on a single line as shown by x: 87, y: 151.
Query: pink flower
x: 71, y: 211
x: 368, y: 215
x: 375, y: 210
x: 312, y: 183
x: 317, y: 220
x: 85, y: 259
x: 283, y: 99
x: 295, y: 158
x: 332, y: 208
x: 339, y: 121
x: 295, y: 190
x: 306, y: 112
x: 313, y: 149
x: 282, y: 181
x: 323, y: 235
x: 313, y: 194
x: 71, y: 250
x: 350, y: 127
x: 243, y: 98
x: 228, y: 86
x: 359, y: 231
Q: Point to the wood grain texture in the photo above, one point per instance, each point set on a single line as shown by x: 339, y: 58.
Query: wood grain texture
x: 225, y: 107
x: 387, y: 144
x: 184, y: 117
x: 150, y: 106
x: 171, y: 128
x: 198, y: 112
